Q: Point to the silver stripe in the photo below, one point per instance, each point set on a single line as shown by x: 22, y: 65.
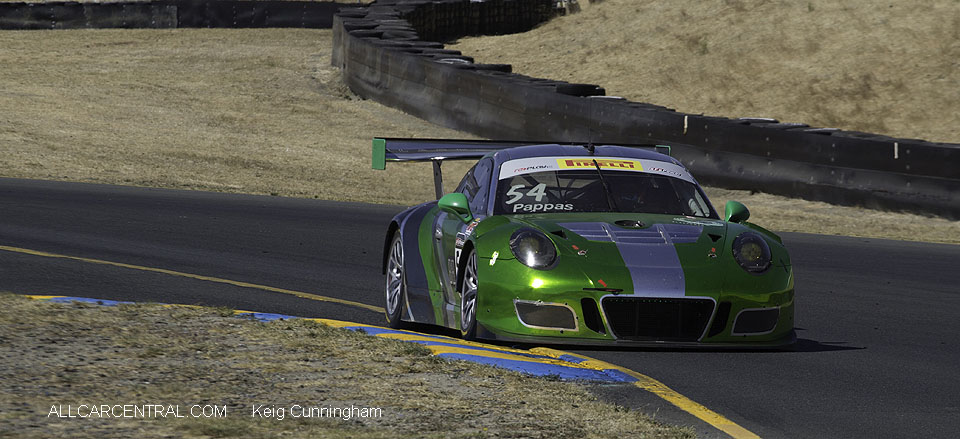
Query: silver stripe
x: 648, y: 254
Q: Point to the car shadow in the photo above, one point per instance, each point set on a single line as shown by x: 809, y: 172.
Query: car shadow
x: 434, y: 330
x: 807, y: 345
x: 802, y: 344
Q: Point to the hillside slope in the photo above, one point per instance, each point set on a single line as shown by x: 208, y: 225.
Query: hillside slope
x: 890, y: 67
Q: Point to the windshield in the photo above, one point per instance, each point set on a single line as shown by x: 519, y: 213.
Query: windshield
x: 582, y: 190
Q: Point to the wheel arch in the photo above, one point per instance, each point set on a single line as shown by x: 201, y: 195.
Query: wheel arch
x: 391, y: 231
x: 412, y: 226
x: 462, y: 263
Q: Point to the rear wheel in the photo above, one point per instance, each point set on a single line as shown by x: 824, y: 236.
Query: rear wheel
x: 468, y: 298
x: 396, y: 285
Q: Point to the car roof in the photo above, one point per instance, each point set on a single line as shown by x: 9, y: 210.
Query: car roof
x: 553, y: 149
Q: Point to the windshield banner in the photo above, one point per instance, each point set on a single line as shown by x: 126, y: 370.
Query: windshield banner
x: 539, y: 164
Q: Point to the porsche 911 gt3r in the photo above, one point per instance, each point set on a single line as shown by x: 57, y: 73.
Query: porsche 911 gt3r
x: 581, y: 244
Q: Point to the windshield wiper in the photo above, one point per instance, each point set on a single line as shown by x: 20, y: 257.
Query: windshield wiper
x: 610, y: 201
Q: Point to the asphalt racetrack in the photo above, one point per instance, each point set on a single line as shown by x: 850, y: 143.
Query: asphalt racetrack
x: 877, y: 320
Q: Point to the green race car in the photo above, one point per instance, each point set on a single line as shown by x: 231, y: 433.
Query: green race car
x: 581, y: 244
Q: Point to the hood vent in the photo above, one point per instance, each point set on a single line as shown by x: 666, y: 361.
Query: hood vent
x: 655, y: 234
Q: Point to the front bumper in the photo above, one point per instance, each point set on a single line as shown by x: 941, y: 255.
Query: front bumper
x: 712, y: 319
x: 786, y: 340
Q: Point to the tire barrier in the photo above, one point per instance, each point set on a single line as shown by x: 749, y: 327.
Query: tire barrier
x: 389, y: 52
x: 168, y: 14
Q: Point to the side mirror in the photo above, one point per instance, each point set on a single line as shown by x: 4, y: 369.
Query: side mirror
x: 736, y: 212
x: 456, y: 203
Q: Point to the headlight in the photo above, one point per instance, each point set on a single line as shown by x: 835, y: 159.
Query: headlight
x: 751, y: 252
x: 533, y: 249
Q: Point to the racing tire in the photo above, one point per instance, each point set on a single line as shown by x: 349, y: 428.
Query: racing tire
x: 468, y: 298
x: 580, y: 89
x: 396, y: 285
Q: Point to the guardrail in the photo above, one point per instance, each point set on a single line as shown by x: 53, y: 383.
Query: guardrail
x: 391, y: 52
x: 168, y: 14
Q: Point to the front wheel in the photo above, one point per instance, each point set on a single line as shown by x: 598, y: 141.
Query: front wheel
x: 396, y: 285
x: 468, y: 298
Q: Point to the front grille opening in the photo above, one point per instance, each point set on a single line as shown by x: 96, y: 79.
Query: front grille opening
x: 720, y: 321
x: 656, y: 319
x: 759, y: 321
x: 546, y: 316
x: 591, y: 315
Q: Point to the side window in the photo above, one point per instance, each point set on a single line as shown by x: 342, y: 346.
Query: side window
x: 468, y: 185
x: 481, y: 175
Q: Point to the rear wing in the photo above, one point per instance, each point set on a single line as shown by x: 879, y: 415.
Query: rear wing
x: 437, y: 150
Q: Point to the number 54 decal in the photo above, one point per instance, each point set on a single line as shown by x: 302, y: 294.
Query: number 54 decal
x: 539, y: 191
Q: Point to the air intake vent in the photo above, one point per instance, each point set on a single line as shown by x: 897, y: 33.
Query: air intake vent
x: 546, y: 315
x: 756, y: 321
x: 591, y: 315
x: 629, y: 223
x: 655, y: 319
x: 721, y: 319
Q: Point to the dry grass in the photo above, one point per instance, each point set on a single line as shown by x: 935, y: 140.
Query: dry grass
x: 870, y: 65
x: 56, y: 354
x: 259, y: 111
x: 256, y: 111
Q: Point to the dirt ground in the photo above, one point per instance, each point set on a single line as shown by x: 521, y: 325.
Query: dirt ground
x: 881, y: 66
x: 259, y: 111
x: 60, y: 355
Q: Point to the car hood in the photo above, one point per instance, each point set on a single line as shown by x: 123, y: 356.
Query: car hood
x: 656, y: 250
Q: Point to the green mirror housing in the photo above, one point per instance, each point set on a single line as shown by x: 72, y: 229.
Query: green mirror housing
x: 456, y: 203
x: 736, y: 212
